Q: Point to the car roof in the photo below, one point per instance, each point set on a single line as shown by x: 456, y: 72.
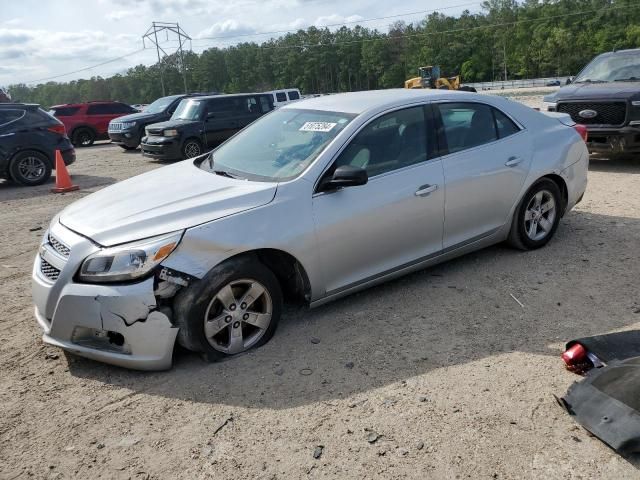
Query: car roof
x: 226, y: 95
x: 79, y: 104
x: 360, y: 102
x: 19, y: 105
x: 629, y: 51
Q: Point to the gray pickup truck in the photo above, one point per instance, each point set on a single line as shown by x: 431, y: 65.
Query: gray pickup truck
x: 605, y: 97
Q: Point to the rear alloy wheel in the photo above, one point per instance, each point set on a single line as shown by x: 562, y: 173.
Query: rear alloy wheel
x: 191, y: 148
x: 537, y: 216
x: 30, y: 168
x: 234, y: 308
x: 83, y: 137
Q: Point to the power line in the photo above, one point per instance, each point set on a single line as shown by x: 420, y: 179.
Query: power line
x: 87, y: 68
x: 441, y: 32
x: 364, y: 20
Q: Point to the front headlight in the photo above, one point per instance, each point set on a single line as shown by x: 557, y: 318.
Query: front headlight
x: 170, y: 133
x: 549, y: 106
x: 129, y: 261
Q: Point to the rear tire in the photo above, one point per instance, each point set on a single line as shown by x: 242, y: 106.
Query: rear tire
x: 30, y: 168
x: 536, y: 219
x: 211, y: 313
x: 83, y: 137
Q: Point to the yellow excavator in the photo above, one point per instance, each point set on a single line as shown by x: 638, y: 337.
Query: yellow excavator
x: 430, y: 78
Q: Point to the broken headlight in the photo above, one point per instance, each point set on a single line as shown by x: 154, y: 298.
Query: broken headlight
x: 128, y: 261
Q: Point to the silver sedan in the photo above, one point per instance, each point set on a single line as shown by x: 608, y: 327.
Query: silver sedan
x: 314, y: 201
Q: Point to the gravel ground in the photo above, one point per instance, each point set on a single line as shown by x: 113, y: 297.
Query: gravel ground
x: 440, y: 374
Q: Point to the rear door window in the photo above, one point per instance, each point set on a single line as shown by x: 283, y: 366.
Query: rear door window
x: 293, y: 95
x: 265, y: 104
x: 281, y: 97
x: 122, y: 108
x: 504, y: 124
x: 64, y: 111
x: 467, y: 125
x: 8, y: 116
x: 100, y: 109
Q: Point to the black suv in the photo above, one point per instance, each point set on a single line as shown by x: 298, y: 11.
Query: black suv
x: 202, y: 123
x: 128, y: 130
x: 29, y: 137
x: 605, y: 96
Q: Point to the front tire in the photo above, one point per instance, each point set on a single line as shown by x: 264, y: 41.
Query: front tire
x: 128, y: 148
x: 191, y: 148
x: 234, y: 308
x: 537, y: 216
x: 30, y: 168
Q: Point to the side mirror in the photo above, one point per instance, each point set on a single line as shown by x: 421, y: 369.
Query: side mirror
x: 569, y: 80
x: 346, y: 176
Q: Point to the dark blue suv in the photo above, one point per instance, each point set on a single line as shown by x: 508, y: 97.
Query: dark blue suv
x: 29, y: 137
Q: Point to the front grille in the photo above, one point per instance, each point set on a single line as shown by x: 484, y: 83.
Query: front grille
x: 48, y: 270
x: 115, y: 126
x: 59, y: 247
x: 610, y: 113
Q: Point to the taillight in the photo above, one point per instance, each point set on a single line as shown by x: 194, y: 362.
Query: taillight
x: 59, y: 129
x: 582, y: 130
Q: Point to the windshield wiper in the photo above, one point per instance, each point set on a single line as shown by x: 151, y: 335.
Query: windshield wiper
x: 224, y: 173
x: 630, y: 79
x: 588, y: 80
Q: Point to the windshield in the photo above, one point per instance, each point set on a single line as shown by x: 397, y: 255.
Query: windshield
x: 611, y: 68
x: 159, y: 105
x: 188, y: 109
x: 279, y: 146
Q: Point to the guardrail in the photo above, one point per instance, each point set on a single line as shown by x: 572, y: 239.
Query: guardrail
x: 532, y: 82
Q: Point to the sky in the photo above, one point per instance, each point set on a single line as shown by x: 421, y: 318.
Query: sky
x: 41, y: 39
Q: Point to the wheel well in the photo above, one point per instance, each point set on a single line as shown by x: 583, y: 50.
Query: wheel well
x: 83, y: 127
x: 14, y: 155
x: 290, y: 273
x: 562, y: 185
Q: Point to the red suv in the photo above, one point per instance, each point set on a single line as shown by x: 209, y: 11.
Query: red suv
x: 87, y: 122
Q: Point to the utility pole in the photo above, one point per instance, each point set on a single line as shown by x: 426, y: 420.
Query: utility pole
x: 152, y: 36
x: 504, y: 53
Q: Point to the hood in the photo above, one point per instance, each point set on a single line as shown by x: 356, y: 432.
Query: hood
x: 141, y: 117
x: 165, y: 200
x: 596, y: 91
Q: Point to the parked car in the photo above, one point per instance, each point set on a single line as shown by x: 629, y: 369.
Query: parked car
x: 29, y: 137
x: 202, y: 123
x: 553, y: 83
x: 127, y: 131
x: 316, y: 200
x: 88, y: 122
x: 282, y: 97
x: 605, y: 96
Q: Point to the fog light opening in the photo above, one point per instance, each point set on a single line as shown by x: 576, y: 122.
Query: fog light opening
x: 115, y: 338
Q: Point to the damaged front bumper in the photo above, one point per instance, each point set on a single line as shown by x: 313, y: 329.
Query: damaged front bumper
x: 116, y: 324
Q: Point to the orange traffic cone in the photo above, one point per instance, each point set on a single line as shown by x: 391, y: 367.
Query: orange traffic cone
x: 63, y: 180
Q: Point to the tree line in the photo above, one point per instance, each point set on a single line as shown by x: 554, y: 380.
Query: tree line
x: 527, y: 39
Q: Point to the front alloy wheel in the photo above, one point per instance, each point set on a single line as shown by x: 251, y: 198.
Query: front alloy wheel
x: 192, y: 149
x: 238, y: 316
x: 234, y: 308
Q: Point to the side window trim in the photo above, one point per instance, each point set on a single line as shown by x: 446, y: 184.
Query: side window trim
x: 348, y: 141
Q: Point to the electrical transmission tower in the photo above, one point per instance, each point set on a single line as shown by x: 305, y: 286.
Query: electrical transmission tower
x: 168, y: 29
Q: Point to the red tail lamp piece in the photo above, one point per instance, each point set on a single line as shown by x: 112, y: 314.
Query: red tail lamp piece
x: 582, y: 130
x: 63, y: 180
x: 576, y: 359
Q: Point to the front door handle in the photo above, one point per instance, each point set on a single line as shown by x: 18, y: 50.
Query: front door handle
x: 425, y: 190
x: 513, y: 161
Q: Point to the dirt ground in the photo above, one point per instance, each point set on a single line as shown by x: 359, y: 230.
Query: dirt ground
x: 440, y: 374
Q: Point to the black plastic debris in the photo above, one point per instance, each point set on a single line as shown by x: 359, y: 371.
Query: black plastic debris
x: 607, y: 401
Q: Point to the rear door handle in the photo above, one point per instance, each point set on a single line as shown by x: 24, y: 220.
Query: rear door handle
x: 513, y: 161
x: 425, y: 190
